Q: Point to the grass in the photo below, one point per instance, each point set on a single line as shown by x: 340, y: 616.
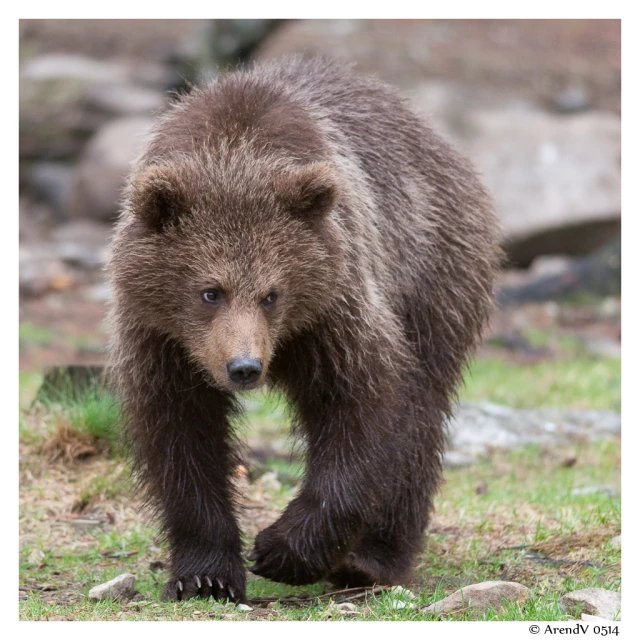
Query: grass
x: 510, y: 517
x: 526, y: 527
x: 96, y: 413
x: 70, y: 424
x: 580, y: 383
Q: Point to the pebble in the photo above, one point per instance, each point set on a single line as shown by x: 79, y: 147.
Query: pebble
x: 121, y: 587
x: 400, y: 592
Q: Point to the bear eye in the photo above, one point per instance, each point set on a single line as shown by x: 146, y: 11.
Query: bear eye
x: 270, y: 299
x: 210, y: 296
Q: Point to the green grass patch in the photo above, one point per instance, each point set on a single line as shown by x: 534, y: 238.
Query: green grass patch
x: 511, y: 517
x: 96, y: 413
x: 91, y: 413
x: 579, y: 383
x: 526, y: 527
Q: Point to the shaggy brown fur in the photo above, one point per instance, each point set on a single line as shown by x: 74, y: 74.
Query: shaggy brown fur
x: 302, y: 217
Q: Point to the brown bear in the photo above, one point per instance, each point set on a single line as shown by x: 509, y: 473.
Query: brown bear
x: 294, y: 224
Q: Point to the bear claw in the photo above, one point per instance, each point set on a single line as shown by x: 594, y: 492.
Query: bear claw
x: 191, y: 587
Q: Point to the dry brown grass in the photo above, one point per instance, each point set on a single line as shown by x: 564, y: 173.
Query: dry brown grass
x: 68, y: 445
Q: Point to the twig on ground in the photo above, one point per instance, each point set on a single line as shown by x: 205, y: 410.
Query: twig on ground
x: 341, y: 595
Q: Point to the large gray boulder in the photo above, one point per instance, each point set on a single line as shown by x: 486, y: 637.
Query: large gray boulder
x: 63, y: 66
x: 104, y: 165
x: 65, y: 98
x: 555, y: 178
x: 476, y: 428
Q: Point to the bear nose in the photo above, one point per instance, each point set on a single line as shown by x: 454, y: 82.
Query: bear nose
x: 244, y: 370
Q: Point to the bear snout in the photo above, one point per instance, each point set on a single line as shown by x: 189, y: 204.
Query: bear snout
x: 244, y: 370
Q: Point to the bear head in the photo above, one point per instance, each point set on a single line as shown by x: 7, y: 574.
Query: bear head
x: 231, y: 253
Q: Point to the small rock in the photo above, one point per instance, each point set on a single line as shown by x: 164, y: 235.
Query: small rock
x: 121, y: 587
x: 616, y: 542
x: 400, y: 592
x: 244, y: 607
x: 549, y: 265
x: 480, y: 597
x: 457, y: 460
x: 571, y: 99
x: 346, y: 606
x: 587, y: 491
x: 36, y: 556
x: 610, y: 307
x: 593, y: 601
x: 477, y: 428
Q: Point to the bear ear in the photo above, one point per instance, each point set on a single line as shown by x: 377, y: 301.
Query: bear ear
x: 156, y: 198
x: 311, y: 190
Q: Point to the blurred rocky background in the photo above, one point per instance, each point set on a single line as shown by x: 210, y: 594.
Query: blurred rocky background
x: 536, y: 104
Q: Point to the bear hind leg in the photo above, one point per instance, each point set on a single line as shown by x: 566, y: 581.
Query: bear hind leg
x: 385, y: 553
x: 384, y: 556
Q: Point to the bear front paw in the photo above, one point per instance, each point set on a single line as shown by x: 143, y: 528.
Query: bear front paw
x: 278, y: 556
x: 209, y: 582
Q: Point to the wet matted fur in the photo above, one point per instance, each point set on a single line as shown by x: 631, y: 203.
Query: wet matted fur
x: 301, y: 216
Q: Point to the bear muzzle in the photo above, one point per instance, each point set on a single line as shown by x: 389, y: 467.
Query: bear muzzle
x: 244, y: 371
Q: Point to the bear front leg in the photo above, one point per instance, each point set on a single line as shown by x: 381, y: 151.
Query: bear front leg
x: 204, y: 539
x: 345, y: 487
x: 178, y: 426
x: 197, y: 501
